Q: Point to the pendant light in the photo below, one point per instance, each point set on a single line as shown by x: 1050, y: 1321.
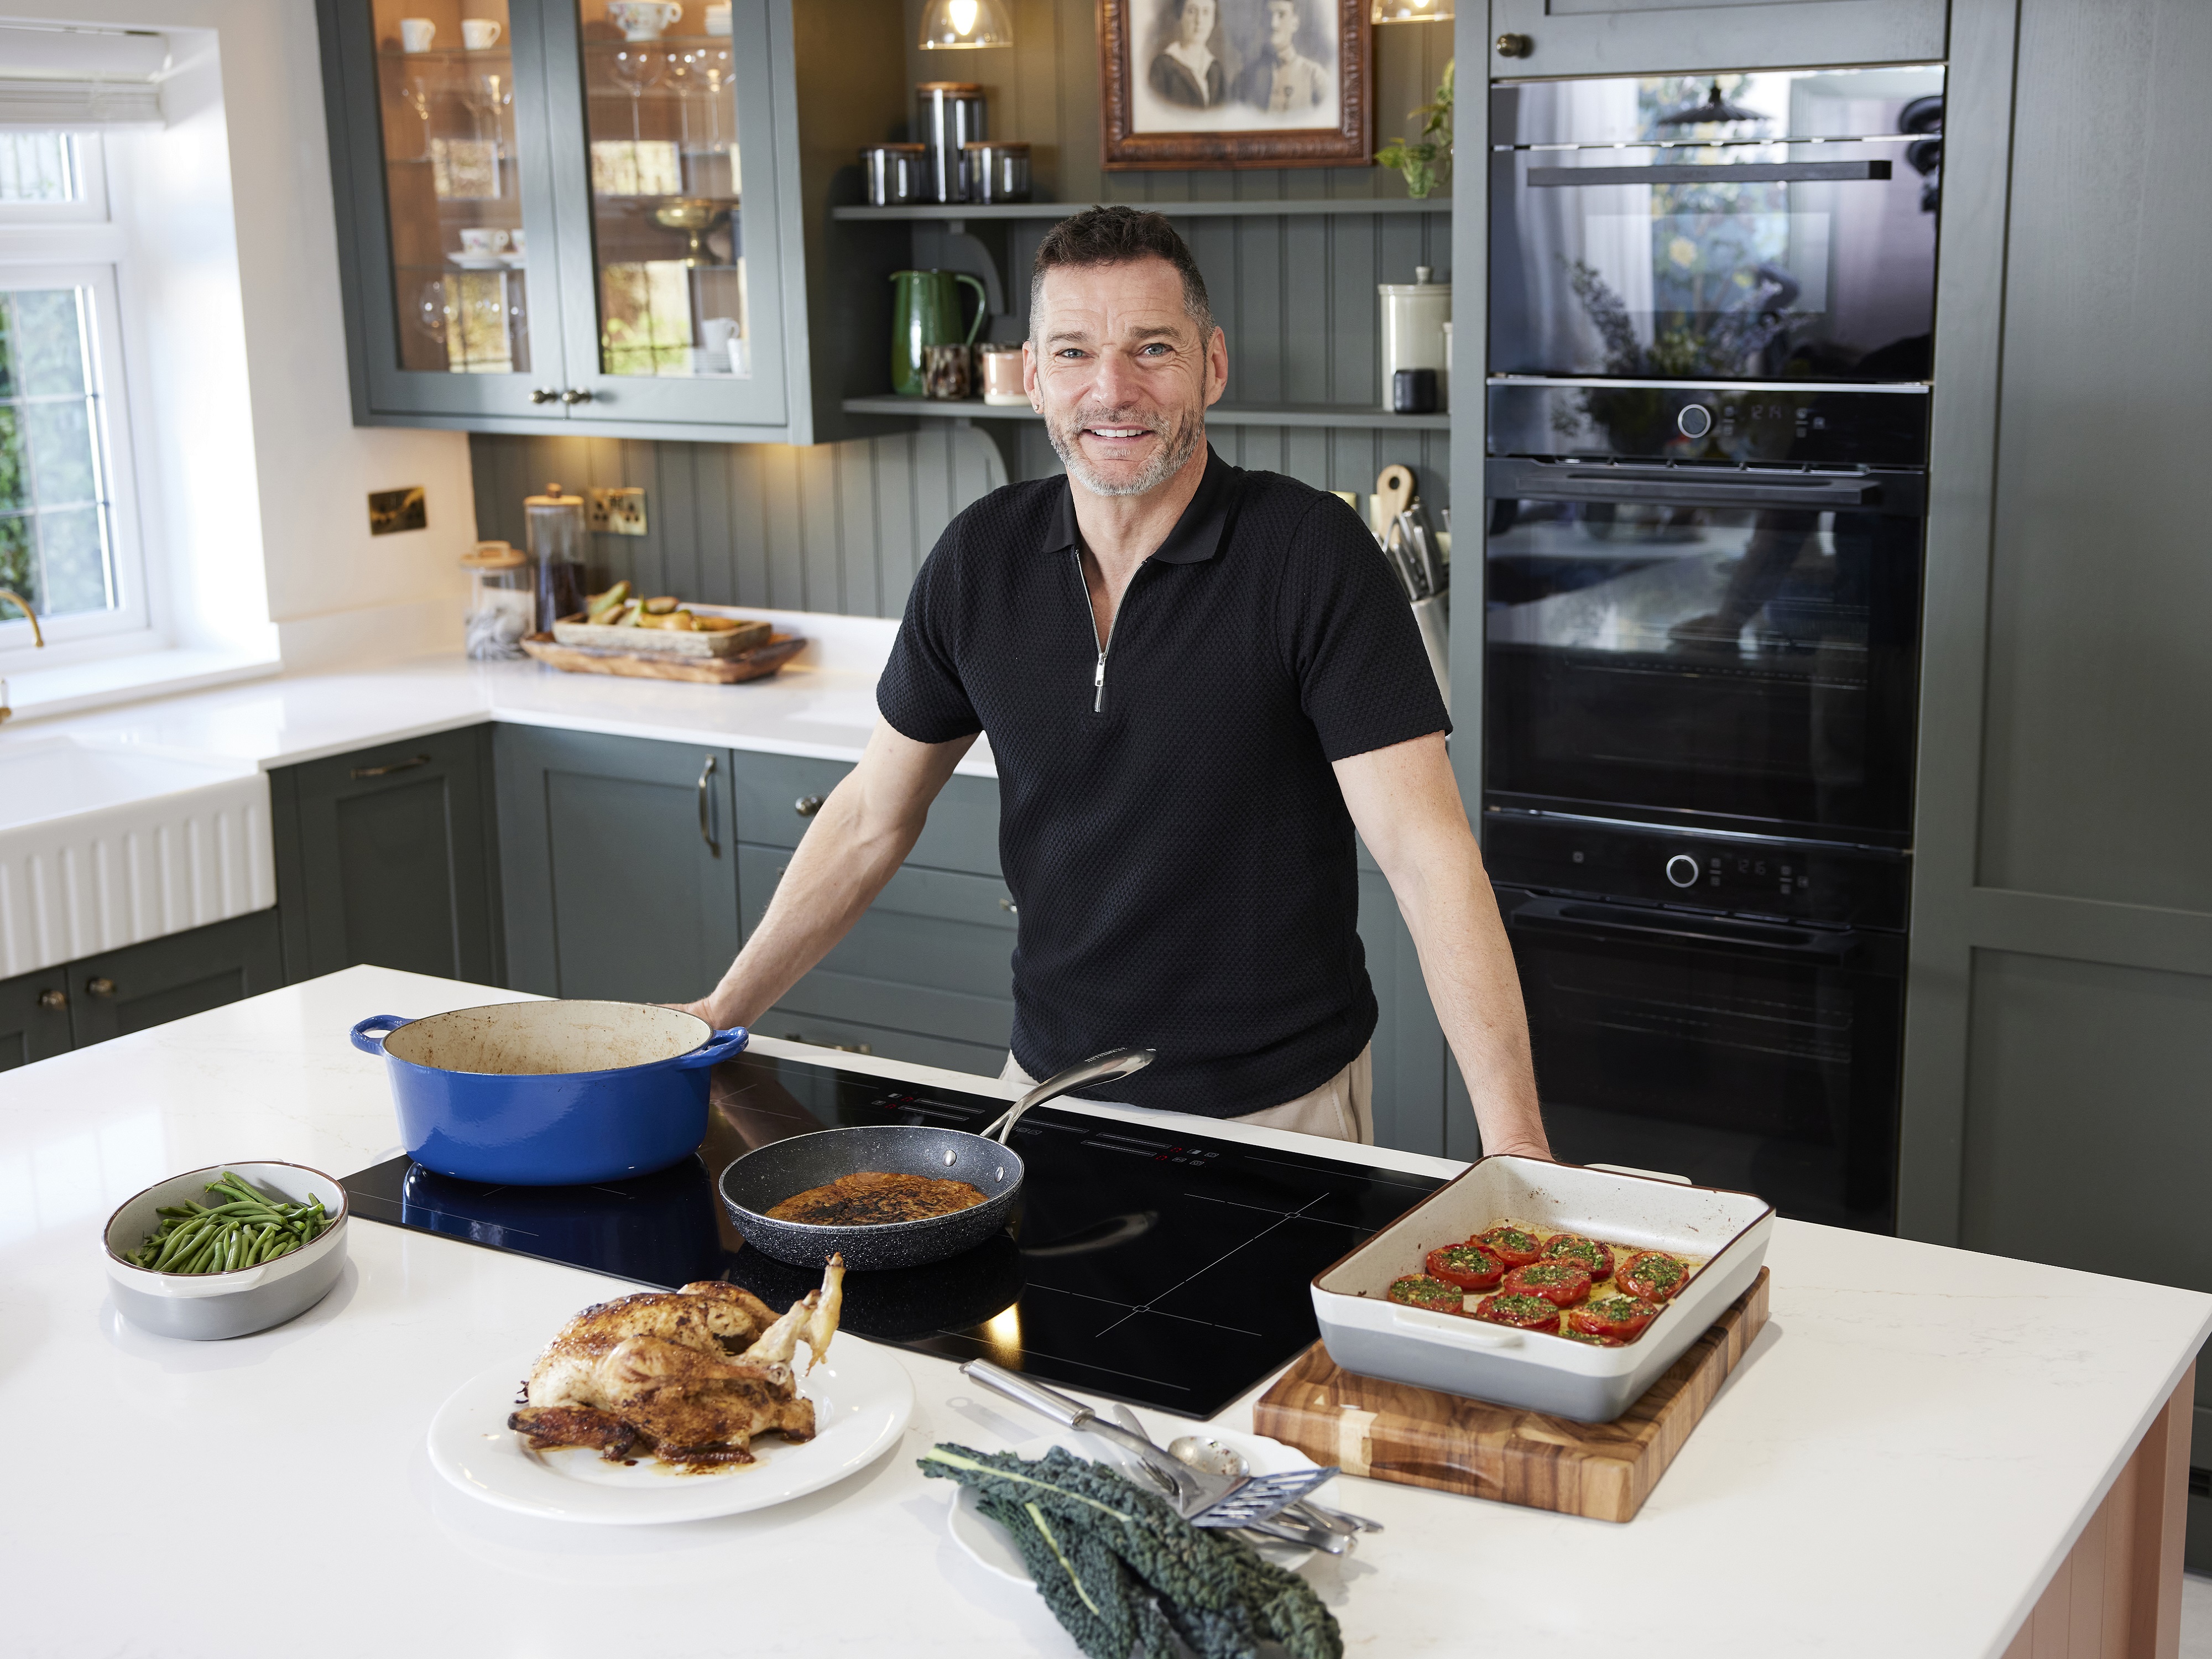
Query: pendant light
x: 1410, y: 11
x: 955, y: 24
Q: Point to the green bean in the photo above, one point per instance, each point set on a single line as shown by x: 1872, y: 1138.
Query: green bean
x: 242, y: 1228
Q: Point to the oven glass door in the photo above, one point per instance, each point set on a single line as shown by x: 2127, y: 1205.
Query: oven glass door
x: 1761, y: 227
x: 1759, y: 1058
x: 1743, y: 667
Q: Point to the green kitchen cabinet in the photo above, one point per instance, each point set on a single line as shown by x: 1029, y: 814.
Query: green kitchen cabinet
x: 543, y: 230
x: 34, y: 1022
x: 140, y: 986
x: 1411, y: 1057
x: 389, y: 856
x: 619, y: 869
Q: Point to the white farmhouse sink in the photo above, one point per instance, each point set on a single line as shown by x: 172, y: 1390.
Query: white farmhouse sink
x: 105, y: 845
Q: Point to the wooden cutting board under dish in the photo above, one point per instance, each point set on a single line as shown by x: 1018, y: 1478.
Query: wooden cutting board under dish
x: 1394, y: 1431
x: 749, y: 635
x: 752, y: 664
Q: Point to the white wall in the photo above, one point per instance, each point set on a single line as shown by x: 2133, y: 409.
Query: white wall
x: 254, y: 479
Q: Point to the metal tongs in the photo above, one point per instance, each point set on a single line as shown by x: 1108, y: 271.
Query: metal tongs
x: 1202, y: 1500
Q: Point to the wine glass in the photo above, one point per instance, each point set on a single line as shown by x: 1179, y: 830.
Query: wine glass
x: 433, y: 309
x: 417, y: 96
x: 488, y: 96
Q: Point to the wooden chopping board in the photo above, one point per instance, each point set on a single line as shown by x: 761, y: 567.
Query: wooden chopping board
x: 1394, y: 1431
x: 700, y: 671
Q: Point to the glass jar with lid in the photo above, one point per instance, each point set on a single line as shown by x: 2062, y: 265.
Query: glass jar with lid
x: 557, y: 544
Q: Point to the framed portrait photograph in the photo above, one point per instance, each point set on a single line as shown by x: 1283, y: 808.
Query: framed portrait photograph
x: 1235, y: 84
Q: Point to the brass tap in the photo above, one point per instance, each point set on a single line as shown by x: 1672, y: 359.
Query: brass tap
x: 37, y: 639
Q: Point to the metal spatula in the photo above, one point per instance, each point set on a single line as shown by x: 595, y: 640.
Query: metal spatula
x: 1202, y: 1500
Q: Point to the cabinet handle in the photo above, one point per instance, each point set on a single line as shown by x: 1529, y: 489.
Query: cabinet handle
x: 395, y: 766
x: 1008, y: 906
x: 839, y: 1048
x: 1515, y: 46
x: 101, y: 987
x: 545, y: 394
x: 706, y: 810
x: 53, y: 1000
x: 807, y: 805
x: 574, y: 396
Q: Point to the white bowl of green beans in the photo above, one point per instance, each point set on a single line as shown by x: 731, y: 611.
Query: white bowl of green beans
x: 225, y: 1250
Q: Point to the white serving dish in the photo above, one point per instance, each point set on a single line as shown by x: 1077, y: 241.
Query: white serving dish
x: 1367, y: 1333
x: 210, y: 1307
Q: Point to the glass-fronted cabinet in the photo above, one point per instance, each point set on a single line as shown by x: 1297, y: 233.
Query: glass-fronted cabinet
x: 568, y: 213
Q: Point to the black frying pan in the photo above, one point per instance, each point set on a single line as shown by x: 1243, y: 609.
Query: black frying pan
x: 764, y: 1178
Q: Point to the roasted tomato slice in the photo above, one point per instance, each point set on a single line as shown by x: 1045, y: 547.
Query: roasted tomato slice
x: 1621, y: 1316
x: 1570, y: 1247
x: 1527, y: 1313
x: 1420, y: 1291
x: 1652, y: 1275
x: 1511, y: 1245
x: 1467, y: 1266
x: 1562, y: 1283
x: 1594, y: 1341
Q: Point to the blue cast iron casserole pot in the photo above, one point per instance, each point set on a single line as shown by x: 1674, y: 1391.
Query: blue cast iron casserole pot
x: 549, y: 1094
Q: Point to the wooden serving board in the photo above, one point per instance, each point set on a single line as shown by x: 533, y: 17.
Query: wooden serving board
x: 1418, y: 1436
x: 700, y: 671
x: 749, y: 635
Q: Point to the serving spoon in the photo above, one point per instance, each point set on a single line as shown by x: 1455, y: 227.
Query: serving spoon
x: 1099, y: 1068
x: 1212, y: 1457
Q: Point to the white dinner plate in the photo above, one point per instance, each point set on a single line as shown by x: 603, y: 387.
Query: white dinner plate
x: 862, y: 1401
x: 987, y: 1544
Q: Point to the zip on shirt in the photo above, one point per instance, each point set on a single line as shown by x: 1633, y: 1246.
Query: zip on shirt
x: 1098, y: 675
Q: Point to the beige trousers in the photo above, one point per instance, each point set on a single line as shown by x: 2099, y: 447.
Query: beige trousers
x: 1342, y: 1109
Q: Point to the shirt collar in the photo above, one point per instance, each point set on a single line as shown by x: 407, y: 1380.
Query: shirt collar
x: 1196, y: 536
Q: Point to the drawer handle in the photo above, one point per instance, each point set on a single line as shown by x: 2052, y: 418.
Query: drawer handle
x: 51, y: 999
x: 706, y: 809
x: 395, y: 766
x: 807, y: 805
x: 837, y: 1048
x: 101, y: 987
x: 1009, y: 906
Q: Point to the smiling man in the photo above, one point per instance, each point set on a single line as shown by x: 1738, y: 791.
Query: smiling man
x: 1197, y: 681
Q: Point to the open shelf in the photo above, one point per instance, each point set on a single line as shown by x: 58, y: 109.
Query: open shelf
x: 1170, y: 209
x: 1309, y: 414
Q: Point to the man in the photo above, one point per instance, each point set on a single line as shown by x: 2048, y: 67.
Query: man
x: 1280, y: 79
x: 1197, y: 681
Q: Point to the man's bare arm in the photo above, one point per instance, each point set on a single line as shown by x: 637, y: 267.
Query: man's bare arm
x: 1407, y: 807
x: 863, y: 832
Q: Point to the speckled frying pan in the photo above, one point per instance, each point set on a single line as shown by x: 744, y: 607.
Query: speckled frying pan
x: 762, y: 1178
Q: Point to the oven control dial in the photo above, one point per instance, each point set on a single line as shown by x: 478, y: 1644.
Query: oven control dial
x: 1682, y: 870
x: 1695, y: 422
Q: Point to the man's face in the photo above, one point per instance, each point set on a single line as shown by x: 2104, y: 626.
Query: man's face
x: 1197, y: 20
x: 1282, y: 25
x: 1118, y: 370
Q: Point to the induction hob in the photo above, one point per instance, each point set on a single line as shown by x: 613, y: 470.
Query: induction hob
x: 1168, y: 1272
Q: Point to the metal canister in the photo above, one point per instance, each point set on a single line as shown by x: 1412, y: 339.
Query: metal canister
x: 1414, y: 318
x: 895, y: 175
x: 949, y: 114
x: 557, y: 541
x: 996, y: 170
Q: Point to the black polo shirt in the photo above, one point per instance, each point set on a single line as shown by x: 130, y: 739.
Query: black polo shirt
x: 1171, y: 831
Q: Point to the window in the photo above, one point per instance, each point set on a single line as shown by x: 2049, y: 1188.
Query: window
x: 68, y: 532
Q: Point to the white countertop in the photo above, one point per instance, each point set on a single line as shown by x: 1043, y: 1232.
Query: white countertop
x: 1896, y: 1469
x: 821, y: 704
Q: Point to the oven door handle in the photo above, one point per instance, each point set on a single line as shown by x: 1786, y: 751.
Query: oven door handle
x: 1568, y: 915
x: 1510, y: 479
x: 1714, y: 172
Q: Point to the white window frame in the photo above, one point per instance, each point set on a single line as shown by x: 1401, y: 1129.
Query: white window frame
x: 75, y: 245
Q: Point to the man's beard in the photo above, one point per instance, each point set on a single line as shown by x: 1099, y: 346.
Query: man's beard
x: 1180, y: 443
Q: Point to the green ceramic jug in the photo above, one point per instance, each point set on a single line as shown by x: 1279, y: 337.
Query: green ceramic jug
x: 926, y: 312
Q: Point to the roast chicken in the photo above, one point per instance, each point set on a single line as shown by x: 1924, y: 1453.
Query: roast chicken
x: 689, y: 1377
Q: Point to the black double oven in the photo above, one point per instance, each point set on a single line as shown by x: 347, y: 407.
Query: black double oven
x: 1711, y: 306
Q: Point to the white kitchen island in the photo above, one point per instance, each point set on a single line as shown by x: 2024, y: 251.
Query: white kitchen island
x: 1926, y: 1453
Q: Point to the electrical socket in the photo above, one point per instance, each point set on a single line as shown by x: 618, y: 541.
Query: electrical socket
x: 619, y: 512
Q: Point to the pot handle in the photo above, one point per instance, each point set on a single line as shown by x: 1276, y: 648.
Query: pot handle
x: 369, y: 1035
x: 720, y: 1046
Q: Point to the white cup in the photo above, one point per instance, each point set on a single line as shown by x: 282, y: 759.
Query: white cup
x: 479, y: 34
x: 482, y: 239
x: 514, y: 241
x: 643, y: 20
x: 416, y: 33
x: 718, y: 18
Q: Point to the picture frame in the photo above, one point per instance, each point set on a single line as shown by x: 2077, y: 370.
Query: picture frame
x: 1218, y: 84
